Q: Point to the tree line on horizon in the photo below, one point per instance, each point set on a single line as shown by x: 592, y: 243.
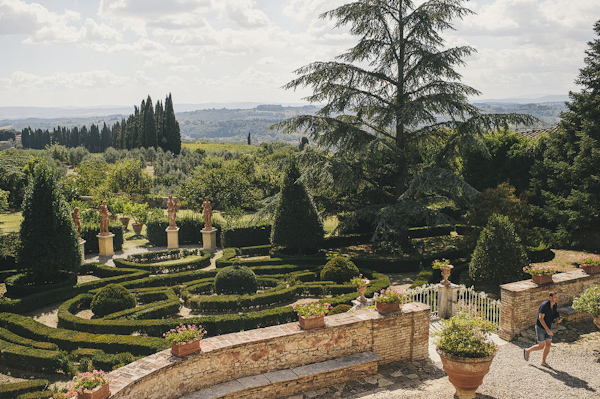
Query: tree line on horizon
x: 149, y: 126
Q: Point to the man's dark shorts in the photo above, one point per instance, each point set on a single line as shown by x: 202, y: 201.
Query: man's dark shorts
x: 541, y: 333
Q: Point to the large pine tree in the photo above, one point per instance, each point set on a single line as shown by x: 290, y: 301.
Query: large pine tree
x: 567, y: 179
x: 49, y: 241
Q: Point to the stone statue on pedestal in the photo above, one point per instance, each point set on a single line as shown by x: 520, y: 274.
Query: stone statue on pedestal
x: 77, y: 221
x: 172, y: 212
x: 207, y: 210
x: 104, y: 219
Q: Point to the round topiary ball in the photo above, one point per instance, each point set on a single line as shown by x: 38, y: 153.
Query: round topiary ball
x: 339, y: 269
x: 236, y: 279
x: 112, y: 298
x: 341, y: 308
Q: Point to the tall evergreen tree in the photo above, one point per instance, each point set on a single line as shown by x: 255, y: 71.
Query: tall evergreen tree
x: 297, y: 224
x: 49, y: 242
x: 382, y: 102
x: 172, y: 132
x: 149, y: 125
x: 567, y: 179
x: 159, y: 117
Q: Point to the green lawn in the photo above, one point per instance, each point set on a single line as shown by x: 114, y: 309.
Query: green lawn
x: 10, y: 221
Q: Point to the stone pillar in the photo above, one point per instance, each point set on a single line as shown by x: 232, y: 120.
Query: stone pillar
x: 82, y: 245
x: 172, y: 238
x: 209, y: 239
x: 105, y: 244
x: 447, y: 300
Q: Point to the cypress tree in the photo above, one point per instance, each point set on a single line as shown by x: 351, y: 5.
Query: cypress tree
x: 149, y: 125
x: 159, y: 118
x: 297, y: 224
x: 172, y: 132
x: 49, y: 242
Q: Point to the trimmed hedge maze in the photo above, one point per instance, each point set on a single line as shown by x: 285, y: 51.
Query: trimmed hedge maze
x: 165, y: 284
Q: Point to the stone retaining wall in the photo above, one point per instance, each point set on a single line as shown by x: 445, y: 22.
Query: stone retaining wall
x: 521, y: 300
x: 394, y: 337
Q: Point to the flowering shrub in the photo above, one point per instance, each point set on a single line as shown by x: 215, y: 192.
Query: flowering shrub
x: 588, y: 301
x: 311, y: 309
x: 184, y: 334
x: 541, y: 270
x: 441, y: 263
x: 593, y: 260
x: 360, y: 281
x: 465, y: 335
x: 389, y: 295
x: 87, y: 382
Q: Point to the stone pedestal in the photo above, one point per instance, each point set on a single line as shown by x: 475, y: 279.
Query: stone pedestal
x: 105, y: 244
x: 172, y: 238
x: 447, y: 300
x: 82, y: 245
x: 209, y: 239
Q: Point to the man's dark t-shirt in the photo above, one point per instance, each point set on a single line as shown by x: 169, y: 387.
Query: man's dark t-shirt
x: 550, y: 313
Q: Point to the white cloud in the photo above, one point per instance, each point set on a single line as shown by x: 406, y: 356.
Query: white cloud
x: 20, y: 80
x: 242, y: 13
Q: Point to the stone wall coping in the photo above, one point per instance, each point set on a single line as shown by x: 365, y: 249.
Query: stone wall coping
x: 525, y: 285
x: 132, y: 373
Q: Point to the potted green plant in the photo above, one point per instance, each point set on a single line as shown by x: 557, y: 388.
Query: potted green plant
x: 127, y: 214
x: 590, y: 264
x: 589, y: 302
x: 185, y: 339
x: 90, y: 385
x: 361, y: 284
x: 445, y: 268
x: 542, y: 273
x: 140, y: 215
x: 311, y: 314
x: 388, y: 300
x: 466, y: 349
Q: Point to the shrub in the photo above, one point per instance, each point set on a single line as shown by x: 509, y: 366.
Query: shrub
x: 9, y: 245
x: 49, y: 241
x: 339, y: 269
x: 499, y: 256
x: 21, y: 285
x: 467, y: 336
x: 247, y: 236
x: 236, y: 280
x: 297, y: 225
x: 112, y: 298
x: 339, y: 309
x: 12, y: 389
x: 588, y: 301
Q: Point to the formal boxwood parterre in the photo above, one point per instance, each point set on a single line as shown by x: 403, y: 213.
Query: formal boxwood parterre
x: 190, y: 262
x: 13, y: 389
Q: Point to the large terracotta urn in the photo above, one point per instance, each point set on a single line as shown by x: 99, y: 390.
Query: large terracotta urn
x: 466, y: 374
x: 137, y: 228
x: 125, y: 222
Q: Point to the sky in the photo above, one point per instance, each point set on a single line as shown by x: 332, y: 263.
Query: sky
x: 117, y: 52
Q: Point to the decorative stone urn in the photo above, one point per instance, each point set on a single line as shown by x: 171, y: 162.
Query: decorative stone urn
x: 591, y: 269
x: 466, y: 374
x: 445, y: 274
x: 541, y: 279
x: 384, y: 308
x: 361, y: 293
x: 186, y: 348
x: 308, y: 323
x: 102, y: 393
x: 137, y: 228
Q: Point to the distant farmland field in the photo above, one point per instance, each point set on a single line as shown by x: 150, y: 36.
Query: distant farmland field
x: 220, y: 147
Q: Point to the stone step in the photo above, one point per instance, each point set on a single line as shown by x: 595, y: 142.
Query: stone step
x: 570, y: 315
x: 282, y: 383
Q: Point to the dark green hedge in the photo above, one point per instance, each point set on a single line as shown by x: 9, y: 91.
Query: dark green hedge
x: 190, y: 227
x: 70, y: 340
x: 176, y: 266
x: 247, y: 236
x: 36, y: 395
x: 11, y: 337
x: 89, y: 233
x: 258, y: 250
x: 17, y: 286
x: 28, y: 358
x: 11, y: 390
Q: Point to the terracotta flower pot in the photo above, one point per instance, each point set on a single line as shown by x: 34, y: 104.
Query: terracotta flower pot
x: 185, y: 349
x: 541, y: 279
x: 591, y: 269
x: 102, y: 393
x: 384, y: 308
x: 361, y: 293
x: 308, y: 323
x: 466, y: 374
x: 137, y: 228
x: 125, y: 222
x: 597, y: 322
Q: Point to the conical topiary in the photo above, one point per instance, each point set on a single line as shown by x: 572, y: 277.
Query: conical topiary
x: 499, y: 256
x: 297, y: 224
x: 49, y: 242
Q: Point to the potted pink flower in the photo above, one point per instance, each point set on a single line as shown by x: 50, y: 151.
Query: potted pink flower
x: 388, y: 300
x: 90, y: 385
x: 185, y: 339
x: 361, y: 284
x: 590, y: 264
x: 311, y: 314
x: 541, y: 273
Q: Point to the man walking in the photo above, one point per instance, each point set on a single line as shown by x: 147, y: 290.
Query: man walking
x: 543, y: 328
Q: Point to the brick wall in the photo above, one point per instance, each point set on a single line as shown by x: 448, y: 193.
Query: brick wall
x: 394, y: 337
x: 521, y: 300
